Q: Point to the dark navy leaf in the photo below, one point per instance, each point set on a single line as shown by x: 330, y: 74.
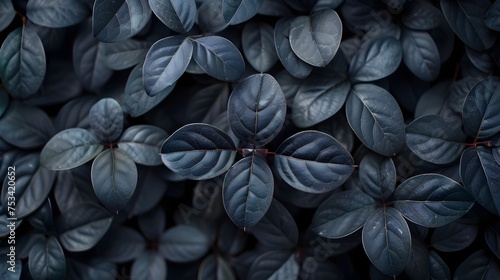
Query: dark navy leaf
x: 58, y: 13
x: 453, y: 237
x: 149, y: 265
x: 378, y: 176
x: 106, y: 119
x: 313, y: 162
x: 95, y: 268
x: 4, y: 101
x: 114, y: 178
x: 114, y: 21
x: 207, y: 104
x: 142, y: 143
x: 315, y: 39
x: 70, y: 148
x: 124, y: 54
x: 418, y: 264
x: 387, y: 240
x: 438, y: 267
x: 432, y: 200
x: 210, y: 18
x: 22, y: 62
x: 120, y: 244
x: 231, y: 239
x: 81, y: 191
x: 82, y: 226
x: 183, y: 243
x: 375, y: 117
x: 238, y: 11
x: 492, y: 19
x: 257, y: 109
x: 420, y: 54
x: 480, y: 109
x: 75, y: 113
x: 479, y: 173
x: 5, y: 273
x: 248, y: 191
x: 435, y: 140
x: 376, y: 59
x: 42, y: 218
x: 421, y: 15
x: 432, y: 101
x: 479, y: 265
x: 342, y: 214
x: 219, y: 58
x: 274, y: 265
x: 7, y: 14
x: 292, y: 63
x: 47, y: 261
x: 198, y: 151
x: 152, y: 223
x: 466, y: 18
x: 214, y: 267
x: 176, y: 15
x: 492, y: 237
x: 165, y: 63
x: 257, y: 39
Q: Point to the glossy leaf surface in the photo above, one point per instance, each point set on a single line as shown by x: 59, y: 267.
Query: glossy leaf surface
x: 378, y: 176
x: 125, y: 54
x: 478, y: 265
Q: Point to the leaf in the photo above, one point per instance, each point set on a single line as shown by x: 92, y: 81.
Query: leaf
x: 315, y: 39
x: 420, y: 54
x: 5, y: 273
x: 136, y: 101
x: 257, y: 109
x: 94, y: 268
x: 81, y: 227
x: 183, y: 243
x: 106, y: 119
x: 435, y: 140
x: 492, y: 237
x: 376, y: 59
x: 124, y: 54
x: 70, y: 148
x: 492, y: 19
x: 238, y: 11
x: 219, y: 58
x: 432, y: 200
x: 378, y: 176
x: 421, y: 15
x: 165, y: 63
x: 433, y: 100
x: 210, y: 18
x: 7, y: 14
x: 114, y: 21
x: 25, y: 126
x: 81, y: 190
x: 479, y: 173
x: 42, y: 218
x: 438, y: 268
x: 114, y: 178
x: 292, y: 63
x: 142, y: 143
x: 257, y: 39
x: 318, y: 99
x: 207, y: 103
x: 176, y: 15
x: 120, y: 244
x: 149, y: 265
x: 198, y: 151
x: 480, y: 109
x: 47, y: 261
x: 74, y: 114
x: 152, y: 223
x: 313, y: 162
x: 342, y: 214
x: 375, y: 117
x: 466, y: 18
x: 274, y: 265
x: 453, y: 237
x: 275, y: 8
x: 479, y: 265
x: 58, y: 13
x: 248, y: 191
x: 215, y: 267
x: 387, y: 240
x: 22, y: 63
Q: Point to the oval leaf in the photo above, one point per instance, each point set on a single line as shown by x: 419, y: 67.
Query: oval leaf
x: 479, y: 265
x: 492, y: 237
x: 149, y: 265
x: 210, y: 18
x: 274, y: 265
x: 375, y: 117
x: 378, y: 176
x: 176, y: 15
x: 183, y: 243
x: 58, y: 13
x: 124, y: 54
x: 47, y: 261
x: 387, y: 240
x: 7, y: 14
x: 238, y: 11
x: 198, y: 151
x: 106, y: 119
x: 420, y: 54
x: 215, y: 267
x: 248, y: 191
x: 257, y: 109
x: 142, y: 143
x: 453, y: 237
x: 313, y: 162
x: 114, y: 178
x: 257, y: 39
x: 492, y: 19
x: 421, y: 15
x: 316, y: 39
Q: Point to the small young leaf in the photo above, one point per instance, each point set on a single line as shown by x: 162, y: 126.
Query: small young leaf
x: 47, y: 260
x: 420, y: 54
x: 176, y: 15
x: 183, y: 243
x: 106, y: 119
x: 56, y: 13
x: 238, y: 11
x: 378, y: 176
x: 120, y: 244
x: 274, y: 265
x: 257, y: 39
x: 142, y: 143
x: 149, y: 265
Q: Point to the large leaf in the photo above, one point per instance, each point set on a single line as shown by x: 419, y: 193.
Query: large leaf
x: 219, y: 58
x: 47, y: 261
x: 432, y: 200
x: 342, y: 214
x: 124, y: 54
x: 238, y: 11
x: 106, y: 119
x: 257, y: 109
x: 292, y: 63
x: 248, y: 191
x: 375, y: 117
x: 387, y: 240
x: 7, y: 13
x: 82, y: 226
x: 198, y: 151
x: 183, y: 243
x: 479, y: 265
x: 70, y: 148
x: 420, y: 54
x: 479, y: 173
x: 454, y: 236
x: 176, y: 15
x: 376, y: 59
x: 313, y: 162
x: 466, y: 18
x: 165, y: 63
x: 421, y: 15
x: 114, y: 178
x: 142, y: 143
x: 315, y: 39
x: 56, y: 13
x: 480, y: 109
x: 435, y: 140
x: 275, y: 265
x: 22, y: 62
x: 114, y: 21
x: 149, y: 265
x: 75, y: 113
x: 257, y: 40
x: 492, y: 19
x: 378, y: 176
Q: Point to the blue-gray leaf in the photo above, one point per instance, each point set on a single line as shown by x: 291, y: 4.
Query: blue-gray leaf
x: 183, y: 243
x: 106, y: 119
x: 238, y: 11
x: 257, y: 39
x: 176, y: 15
x: 378, y: 176
x: 56, y: 13
x: 149, y: 265
x: 124, y: 54
x: 47, y: 261
x: 7, y: 13
x: 275, y: 265
x: 420, y: 54
x: 142, y: 143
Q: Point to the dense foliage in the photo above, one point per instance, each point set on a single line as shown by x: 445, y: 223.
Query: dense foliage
x: 250, y: 139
